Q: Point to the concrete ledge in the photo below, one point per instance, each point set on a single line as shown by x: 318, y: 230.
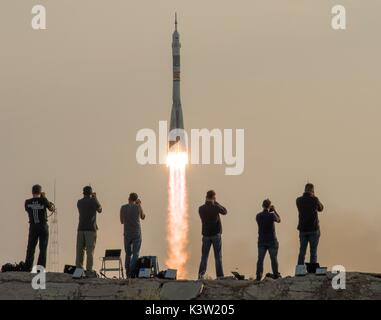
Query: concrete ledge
x: 17, y: 285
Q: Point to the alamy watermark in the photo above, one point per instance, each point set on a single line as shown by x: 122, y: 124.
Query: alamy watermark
x: 198, y: 144
x: 339, y: 280
x: 39, y: 280
x: 339, y: 19
x: 39, y: 17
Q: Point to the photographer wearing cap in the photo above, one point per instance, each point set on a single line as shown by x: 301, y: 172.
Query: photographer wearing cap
x: 37, y: 207
x: 267, y: 240
x: 130, y: 216
x: 88, y: 207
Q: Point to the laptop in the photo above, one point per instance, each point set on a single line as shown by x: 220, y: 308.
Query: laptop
x: 78, y: 273
x: 69, y: 269
x: 170, y: 274
x: 300, y: 270
x: 144, y: 273
x: 113, y: 253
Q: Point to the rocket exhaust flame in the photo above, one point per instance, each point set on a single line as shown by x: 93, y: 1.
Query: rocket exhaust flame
x: 177, y: 235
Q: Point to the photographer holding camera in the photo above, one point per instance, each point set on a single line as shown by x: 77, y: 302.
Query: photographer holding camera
x: 267, y: 240
x: 309, y: 230
x: 211, y: 233
x: 38, y: 226
x: 88, y: 207
x: 130, y: 216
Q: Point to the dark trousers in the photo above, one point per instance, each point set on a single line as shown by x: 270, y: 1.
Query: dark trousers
x: 311, y: 238
x: 38, y: 232
x: 207, y: 242
x: 132, y: 247
x: 272, y: 248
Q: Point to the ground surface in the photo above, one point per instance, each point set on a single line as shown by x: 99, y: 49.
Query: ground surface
x: 17, y: 285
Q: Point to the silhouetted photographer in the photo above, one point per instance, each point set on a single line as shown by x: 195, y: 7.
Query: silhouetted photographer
x: 88, y: 208
x: 211, y: 233
x: 309, y: 230
x: 267, y: 240
x: 130, y: 216
x: 37, y: 207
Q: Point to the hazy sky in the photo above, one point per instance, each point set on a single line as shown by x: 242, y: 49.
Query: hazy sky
x: 72, y: 98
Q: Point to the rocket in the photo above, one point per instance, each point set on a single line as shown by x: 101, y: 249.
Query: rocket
x: 177, y: 121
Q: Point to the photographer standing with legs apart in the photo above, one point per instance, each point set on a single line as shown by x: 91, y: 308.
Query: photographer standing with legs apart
x: 267, y: 240
x: 88, y: 208
x: 211, y: 233
x: 38, y: 226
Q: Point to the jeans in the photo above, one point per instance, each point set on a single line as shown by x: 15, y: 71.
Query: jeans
x: 86, y: 240
x: 263, y: 247
x: 132, y: 247
x: 306, y: 238
x: 38, y: 232
x: 207, y: 242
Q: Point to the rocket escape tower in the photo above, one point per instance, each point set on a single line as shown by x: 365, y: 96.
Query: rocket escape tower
x: 177, y: 121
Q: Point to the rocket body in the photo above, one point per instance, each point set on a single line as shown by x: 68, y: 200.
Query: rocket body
x: 177, y: 120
